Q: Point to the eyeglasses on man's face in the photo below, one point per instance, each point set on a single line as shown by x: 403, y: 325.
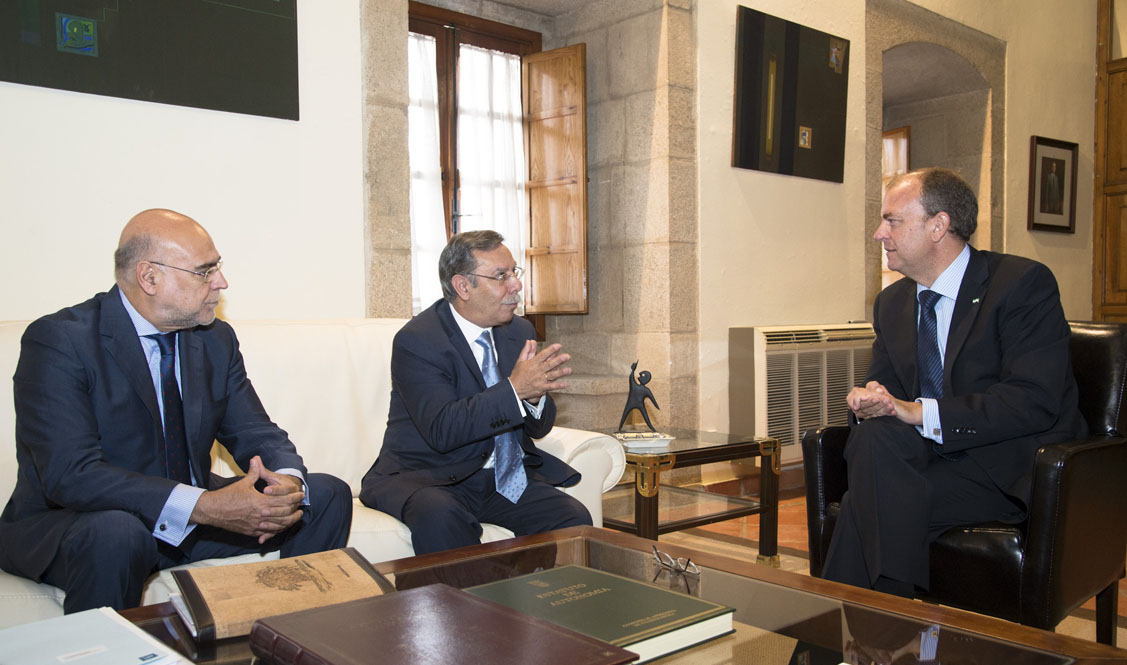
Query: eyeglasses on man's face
x: 503, y: 276
x: 208, y: 275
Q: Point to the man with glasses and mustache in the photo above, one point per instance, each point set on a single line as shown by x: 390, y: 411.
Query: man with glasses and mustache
x: 118, y: 400
x: 469, y: 393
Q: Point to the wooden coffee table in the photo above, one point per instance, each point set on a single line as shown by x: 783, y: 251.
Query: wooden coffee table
x: 648, y: 508
x: 780, y: 616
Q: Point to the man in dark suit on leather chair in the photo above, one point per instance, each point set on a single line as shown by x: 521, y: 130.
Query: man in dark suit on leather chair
x: 970, y: 376
x: 118, y: 401
x: 469, y: 393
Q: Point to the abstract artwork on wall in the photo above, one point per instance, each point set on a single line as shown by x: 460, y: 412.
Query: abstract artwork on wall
x: 790, y: 98
x: 226, y: 55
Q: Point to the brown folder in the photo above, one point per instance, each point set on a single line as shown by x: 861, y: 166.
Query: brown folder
x: 431, y: 624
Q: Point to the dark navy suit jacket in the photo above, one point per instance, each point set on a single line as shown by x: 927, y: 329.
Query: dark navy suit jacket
x: 1008, y: 387
x: 88, y: 427
x: 442, y: 419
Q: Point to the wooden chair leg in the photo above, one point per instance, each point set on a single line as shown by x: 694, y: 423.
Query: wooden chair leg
x: 1107, y: 614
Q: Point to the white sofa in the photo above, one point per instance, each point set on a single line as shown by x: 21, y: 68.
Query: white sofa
x: 327, y: 383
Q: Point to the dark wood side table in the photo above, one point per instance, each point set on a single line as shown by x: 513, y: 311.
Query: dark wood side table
x: 658, y: 509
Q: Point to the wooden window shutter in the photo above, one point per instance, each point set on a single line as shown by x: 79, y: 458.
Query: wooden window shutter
x: 554, y: 87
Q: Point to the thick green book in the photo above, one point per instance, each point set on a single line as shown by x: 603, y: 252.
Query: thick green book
x: 643, y: 618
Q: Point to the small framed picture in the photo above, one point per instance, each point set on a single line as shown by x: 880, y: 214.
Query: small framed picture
x: 805, y: 137
x: 1052, y: 185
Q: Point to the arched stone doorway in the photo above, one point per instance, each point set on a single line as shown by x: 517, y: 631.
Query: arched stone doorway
x: 947, y: 81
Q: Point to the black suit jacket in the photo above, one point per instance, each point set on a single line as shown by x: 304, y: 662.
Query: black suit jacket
x: 1008, y: 387
x: 88, y: 429
x: 442, y: 418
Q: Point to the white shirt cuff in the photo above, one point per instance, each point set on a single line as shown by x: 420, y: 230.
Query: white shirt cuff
x: 537, y: 408
x: 932, y: 428
x: 527, y: 407
x: 929, y: 640
x: 172, y: 524
x: 304, y: 488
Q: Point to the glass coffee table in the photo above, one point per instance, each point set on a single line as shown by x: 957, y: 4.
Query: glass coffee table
x: 648, y: 509
x: 781, y: 617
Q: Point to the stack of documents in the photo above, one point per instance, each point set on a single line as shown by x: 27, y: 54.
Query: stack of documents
x: 93, y: 637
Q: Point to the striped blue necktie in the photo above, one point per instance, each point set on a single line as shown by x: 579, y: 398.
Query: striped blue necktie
x: 176, y: 465
x: 927, y: 350
x: 508, y: 458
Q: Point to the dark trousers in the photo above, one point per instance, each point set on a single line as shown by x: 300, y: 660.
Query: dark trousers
x: 449, y: 516
x: 106, y: 556
x: 904, y: 492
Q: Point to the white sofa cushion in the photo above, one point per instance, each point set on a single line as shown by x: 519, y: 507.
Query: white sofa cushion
x: 328, y: 384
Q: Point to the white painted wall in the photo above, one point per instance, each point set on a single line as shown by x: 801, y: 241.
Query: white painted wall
x: 774, y: 249
x: 283, y: 200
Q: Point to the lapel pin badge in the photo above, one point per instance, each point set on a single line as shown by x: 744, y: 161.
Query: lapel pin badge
x: 975, y: 301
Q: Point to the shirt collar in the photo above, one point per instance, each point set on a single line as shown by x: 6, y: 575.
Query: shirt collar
x: 140, y: 323
x: 949, y: 281
x: 470, y: 330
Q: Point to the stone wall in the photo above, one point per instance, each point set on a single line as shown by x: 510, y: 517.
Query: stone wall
x: 642, y: 213
x: 387, y: 201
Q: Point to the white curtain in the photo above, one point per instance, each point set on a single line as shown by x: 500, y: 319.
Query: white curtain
x: 428, y: 225
x: 491, y: 146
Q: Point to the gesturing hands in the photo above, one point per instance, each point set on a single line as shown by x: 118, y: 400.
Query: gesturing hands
x: 241, y: 508
x: 538, y: 373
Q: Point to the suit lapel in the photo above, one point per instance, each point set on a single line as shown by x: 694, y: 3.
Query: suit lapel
x: 193, y: 383
x: 508, y: 348
x: 458, y: 341
x: 904, y: 346
x: 967, y: 307
x: 119, y: 339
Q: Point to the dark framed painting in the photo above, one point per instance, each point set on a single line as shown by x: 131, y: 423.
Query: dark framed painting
x: 791, y: 88
x: 238, y: 56
x: 1052, y: 185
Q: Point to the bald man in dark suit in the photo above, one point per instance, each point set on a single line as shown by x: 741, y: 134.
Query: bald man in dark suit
x: 114, y: 477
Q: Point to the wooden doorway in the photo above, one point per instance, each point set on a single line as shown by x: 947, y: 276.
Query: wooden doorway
x: 1109, y: 238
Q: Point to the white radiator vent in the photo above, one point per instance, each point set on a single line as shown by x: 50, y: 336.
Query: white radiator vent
x: 801, y: 375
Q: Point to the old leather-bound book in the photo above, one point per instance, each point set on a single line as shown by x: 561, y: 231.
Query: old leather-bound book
x: 431, y: 624
x: 223, y: 601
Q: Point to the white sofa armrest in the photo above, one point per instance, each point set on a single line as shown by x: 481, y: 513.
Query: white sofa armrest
x: 598, y: 457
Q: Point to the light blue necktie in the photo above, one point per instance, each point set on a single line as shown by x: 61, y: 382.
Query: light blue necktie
x: 508, y: 458
x: 927, y: 350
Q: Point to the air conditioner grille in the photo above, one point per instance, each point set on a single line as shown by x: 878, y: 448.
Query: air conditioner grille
x: 809, y: 372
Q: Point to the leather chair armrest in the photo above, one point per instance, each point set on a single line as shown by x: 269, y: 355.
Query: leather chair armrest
x: 823, y: 461
x: 1075, y: 547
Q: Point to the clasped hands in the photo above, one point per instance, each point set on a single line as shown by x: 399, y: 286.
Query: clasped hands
x: 241, y: 508
x: 538, y: 373
x: 874, y: 401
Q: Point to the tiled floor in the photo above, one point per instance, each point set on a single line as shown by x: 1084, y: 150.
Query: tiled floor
x: 792, y: 526
x: 792, y: 540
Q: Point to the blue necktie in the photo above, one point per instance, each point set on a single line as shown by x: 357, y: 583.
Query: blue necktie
x: 508, y: 458
x: 176, y: 464
x: 927, y: 350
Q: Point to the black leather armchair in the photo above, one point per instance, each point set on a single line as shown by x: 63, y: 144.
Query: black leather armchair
x: 1074, y: 543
